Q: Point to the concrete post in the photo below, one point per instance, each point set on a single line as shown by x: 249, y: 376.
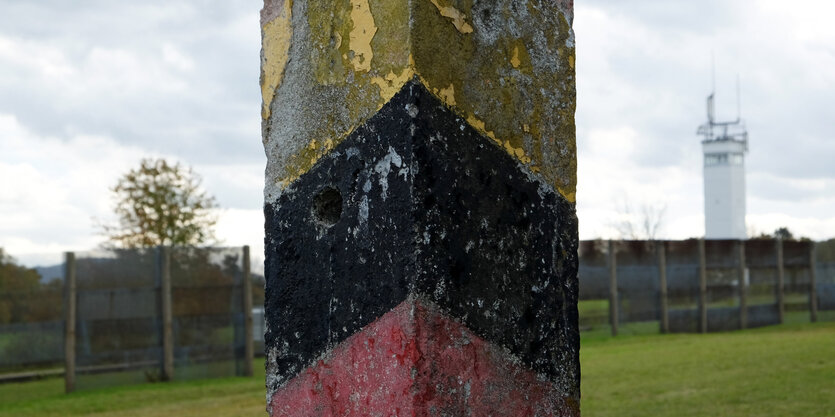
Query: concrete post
x: 249, y: 340
x: 781, y: 277
x: 421, y: 237
x: 70, y: 300
x: 743, y: 286
x: 702, y: 287
x: 612, y: 261
x: 813, y: 286
x: 167, y: 312
x: 662, y: 278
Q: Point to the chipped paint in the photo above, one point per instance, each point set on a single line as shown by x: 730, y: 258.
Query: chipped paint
x: 362, y: 33
x: 479, y: 125
x: 364, y: 51
x: 395, y: 109
x: 416, y: 361
x: 447, y: 95
x: 391, y: 83
x: 301, y: 162
x: 539, y: 91
x: 416, y: 155
x: 520, y: 59
x: 459, y: 19
x: 514, y: 60
x: 519, y: 153
x: 276, y: 40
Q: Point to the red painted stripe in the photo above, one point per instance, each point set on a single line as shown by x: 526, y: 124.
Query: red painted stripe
x: 414, y: 361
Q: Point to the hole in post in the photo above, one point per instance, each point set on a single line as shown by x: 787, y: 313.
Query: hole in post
x: 327, y: 206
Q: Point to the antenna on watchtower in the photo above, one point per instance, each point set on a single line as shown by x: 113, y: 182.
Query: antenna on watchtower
x: 738, y: 100
x: 724, y: 144
x: 710, y: 109
x: 715, y: 130
x: 712, y: 72
x: 711, y: 105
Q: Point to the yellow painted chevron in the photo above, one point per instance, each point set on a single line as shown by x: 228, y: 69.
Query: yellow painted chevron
x: 499, y: 64
x: 275, y: 37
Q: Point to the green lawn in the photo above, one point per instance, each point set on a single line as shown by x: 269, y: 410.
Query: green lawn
x: 226, y: 397
x: 776, y: 371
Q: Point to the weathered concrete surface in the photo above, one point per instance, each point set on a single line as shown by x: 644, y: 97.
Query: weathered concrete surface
x: 506, y: 66
x: 420, y: 154
x: 415, y: 361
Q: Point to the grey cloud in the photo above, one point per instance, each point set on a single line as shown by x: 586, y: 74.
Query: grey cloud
x: 207, y: 118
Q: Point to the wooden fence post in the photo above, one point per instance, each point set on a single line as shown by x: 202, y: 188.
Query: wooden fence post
x: 702, y: 287
x: 246, y: 289
x: 70, y: 299
x: 781, y: 276
x: 164, y: 268
x: 743, y: 287
x: 813, y: 291
x: 613, y: 289
x: 662, y: 277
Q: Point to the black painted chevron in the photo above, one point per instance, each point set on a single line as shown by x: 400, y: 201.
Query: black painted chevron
x: 417, y: 203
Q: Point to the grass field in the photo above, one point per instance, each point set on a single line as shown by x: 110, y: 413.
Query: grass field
x: 776, y: 371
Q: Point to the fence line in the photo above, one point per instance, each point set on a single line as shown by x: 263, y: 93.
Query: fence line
x: 701, y: 285
x: 107, y: 314
x: 662, y: 278
x: 69, y: 322
x: 116, y: 296
x: 813, y: 299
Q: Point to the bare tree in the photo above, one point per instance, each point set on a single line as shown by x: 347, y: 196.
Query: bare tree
x: 646, y: 224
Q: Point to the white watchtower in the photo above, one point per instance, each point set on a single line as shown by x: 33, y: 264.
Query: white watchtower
x: 724, y: 147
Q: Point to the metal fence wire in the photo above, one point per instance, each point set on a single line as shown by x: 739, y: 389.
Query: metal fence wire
x: 147, y: 315
x: 118, y: 321
x: 704, y: 285
x: 594, y: 284
x: 638, y: 281
x: 208, y: 311
x: 181, y: 313
x: 683, y: 285
x: 31, y: 329
x: 825, y: 282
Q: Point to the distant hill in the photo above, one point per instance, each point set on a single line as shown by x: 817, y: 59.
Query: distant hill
x: 48, y: 273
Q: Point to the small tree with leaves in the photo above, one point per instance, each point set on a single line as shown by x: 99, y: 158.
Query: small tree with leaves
x: 161, y: 203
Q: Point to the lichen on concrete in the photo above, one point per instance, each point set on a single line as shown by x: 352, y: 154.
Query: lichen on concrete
x: 421, y: 154
x: 276, y: 34
x: 506, y: 66
x: 430, y: 208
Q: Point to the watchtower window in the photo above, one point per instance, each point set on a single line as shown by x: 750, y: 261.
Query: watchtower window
x: 712, y: 159
x: 716, y: 159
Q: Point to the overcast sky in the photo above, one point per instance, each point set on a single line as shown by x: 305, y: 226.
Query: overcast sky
x: 88, y: 88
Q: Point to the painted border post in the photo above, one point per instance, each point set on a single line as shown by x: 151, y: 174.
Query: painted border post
x: 813, y: 286
x: 246, y: 289
x: 743, y: 286
x: 70, y: 306
x: 164, y: 274
x: 781, y: 278
x: 662, y: 278
x: 612, y: 260
x: 702, y: 287
x: 419, y: 203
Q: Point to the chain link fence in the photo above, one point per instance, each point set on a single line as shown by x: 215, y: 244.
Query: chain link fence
x: 123, y: 333
x: 134, y: 316
x: 703, y: 285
